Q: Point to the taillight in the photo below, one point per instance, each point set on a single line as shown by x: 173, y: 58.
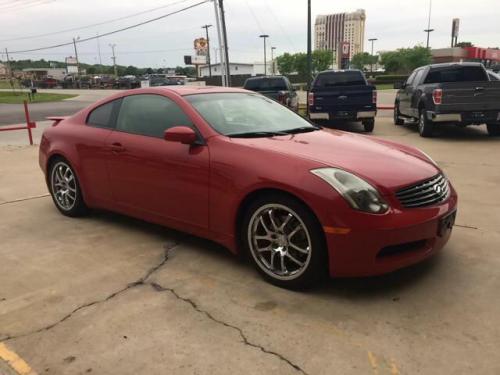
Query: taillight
x: 282, y: 96
x: 437, y: 96
x: 311, y: 98
x: 374, y: 97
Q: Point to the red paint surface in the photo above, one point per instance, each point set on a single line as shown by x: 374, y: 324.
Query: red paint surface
x: 200, y: 188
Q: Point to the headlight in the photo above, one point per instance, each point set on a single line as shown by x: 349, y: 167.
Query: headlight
x: 356, y: 191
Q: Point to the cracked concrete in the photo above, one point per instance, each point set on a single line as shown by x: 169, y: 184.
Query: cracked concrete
x: 97, y: 295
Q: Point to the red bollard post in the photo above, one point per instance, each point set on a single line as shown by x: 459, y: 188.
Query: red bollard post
x: 29, y: 125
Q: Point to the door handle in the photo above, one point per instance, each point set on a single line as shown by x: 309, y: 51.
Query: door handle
x: 117, y: 147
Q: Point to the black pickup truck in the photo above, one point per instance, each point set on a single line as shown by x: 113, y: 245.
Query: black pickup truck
x: 343, y: 95
x: 453, y: 93
x: 278, y: 88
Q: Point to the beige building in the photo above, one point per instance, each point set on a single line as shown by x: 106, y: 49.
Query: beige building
x: 332, y: 29
x: 4, y: 70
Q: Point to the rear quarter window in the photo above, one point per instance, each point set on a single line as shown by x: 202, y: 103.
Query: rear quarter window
x: 332, y: 79
x: 103, y: 116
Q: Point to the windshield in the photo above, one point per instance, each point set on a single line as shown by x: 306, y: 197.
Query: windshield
x: 242, y: 113
x: 347, y: 78
x: 266, y: 84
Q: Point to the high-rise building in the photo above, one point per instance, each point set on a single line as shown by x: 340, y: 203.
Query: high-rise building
x: 332, y: 29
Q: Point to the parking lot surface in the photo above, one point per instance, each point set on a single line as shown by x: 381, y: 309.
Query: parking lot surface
x: 106, y: 294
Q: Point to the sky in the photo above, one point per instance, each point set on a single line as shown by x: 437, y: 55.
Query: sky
x: 396, y: 24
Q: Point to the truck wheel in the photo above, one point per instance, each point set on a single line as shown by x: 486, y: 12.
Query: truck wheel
x: 397, y: 119
x: 369, y: 125
x: 425, y: 126
x: 493, y: 130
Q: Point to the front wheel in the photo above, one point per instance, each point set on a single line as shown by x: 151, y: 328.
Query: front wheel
x: 369, y: 125
x: 65, y: 189
x: 285, y: 241
x: 493, y: 130
x: 425, y: 126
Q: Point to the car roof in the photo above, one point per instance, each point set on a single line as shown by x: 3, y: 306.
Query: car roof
x: 340, y: 71
x: 263, y: 77
x: 185, y: 90
x: 445, y: 65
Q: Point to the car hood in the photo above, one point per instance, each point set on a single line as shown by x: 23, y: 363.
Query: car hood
x: 386, y: 165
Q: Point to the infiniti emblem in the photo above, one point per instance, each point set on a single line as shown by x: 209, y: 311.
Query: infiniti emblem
x: 437, y: 189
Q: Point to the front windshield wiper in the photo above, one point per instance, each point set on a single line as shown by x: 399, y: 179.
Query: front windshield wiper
x: 256, y: 134
x: 302, y: 129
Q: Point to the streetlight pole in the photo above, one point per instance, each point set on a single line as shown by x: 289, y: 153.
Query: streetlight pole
x: 309, y: 53
x: 264, y: 36
x: 371, y: 60
x: 208, y: 50
x: 429, y: 30
x: 272, y: 60
x: 114, y: 59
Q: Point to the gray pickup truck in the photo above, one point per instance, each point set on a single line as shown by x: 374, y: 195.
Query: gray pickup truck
x: 453, y: 93
x: 278, y: 88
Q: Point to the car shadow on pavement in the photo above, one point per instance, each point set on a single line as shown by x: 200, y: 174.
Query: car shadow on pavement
x: 457, y: 133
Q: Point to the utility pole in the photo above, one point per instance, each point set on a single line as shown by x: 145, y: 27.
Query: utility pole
x: 8, y: 63
x: 429, y: 30
x: 208, y: 50
x: 264, y: 36
x: 224, y: 36
x: 76, y: 56
x: 272, y: 60
x: 114, y: 59
x: 221, y: 46
x: 309, y: 52
x: 371, y: 60
x: 99, y: 49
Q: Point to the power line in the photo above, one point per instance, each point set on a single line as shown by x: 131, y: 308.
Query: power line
x: 23, y: 6
x: 95, y: 24
x: 115, y: 31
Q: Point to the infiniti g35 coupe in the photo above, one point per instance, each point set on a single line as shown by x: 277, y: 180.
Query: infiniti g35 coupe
x: 242, y: 170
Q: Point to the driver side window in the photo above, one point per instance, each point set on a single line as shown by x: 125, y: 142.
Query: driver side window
x: 150, y: 115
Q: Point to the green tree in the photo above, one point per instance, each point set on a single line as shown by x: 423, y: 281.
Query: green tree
x: 286, y: 63
x: 360, y: 60
x: 404, y: 60
x: 321, y: 60
x: 131, y: 70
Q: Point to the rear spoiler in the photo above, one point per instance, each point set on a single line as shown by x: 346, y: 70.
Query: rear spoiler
x: 57, y: 119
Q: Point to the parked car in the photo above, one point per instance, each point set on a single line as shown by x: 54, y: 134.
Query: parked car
x: 278, y: 88
x: 343, y: 95
x: 245, y: 171
x: 452, y: 93
x: 128, y: 82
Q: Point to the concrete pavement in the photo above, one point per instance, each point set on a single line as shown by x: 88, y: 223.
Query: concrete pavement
x: 107, y: 294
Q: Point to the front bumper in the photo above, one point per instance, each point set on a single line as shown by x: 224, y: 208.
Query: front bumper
x: 384, y: 244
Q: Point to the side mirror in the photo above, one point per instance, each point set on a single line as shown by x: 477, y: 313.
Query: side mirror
x: 399, y: 85
x: 181, y: 134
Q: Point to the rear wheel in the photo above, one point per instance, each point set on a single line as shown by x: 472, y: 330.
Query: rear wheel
x: 425, y: 126
x: 369, y: 125
x: 493, y: 130
x: 65, y: 189
x: 284, y: 241
x: 397, y: 115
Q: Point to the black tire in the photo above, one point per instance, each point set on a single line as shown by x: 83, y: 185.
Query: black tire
x: 369, y: 125
x: 493, y: 130
x: 425, y: 126
x: 315, y: 262
x: 397, y: 115
x: 74, y: 192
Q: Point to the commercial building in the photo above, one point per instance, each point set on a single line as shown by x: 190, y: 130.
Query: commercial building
x: 4, y: 70
x: 41, y: 73
x: 236, y: 69
x: 487, y: 56
x: 333, y: 29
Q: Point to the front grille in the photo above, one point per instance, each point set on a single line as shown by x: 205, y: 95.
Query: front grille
x: 425, y: 193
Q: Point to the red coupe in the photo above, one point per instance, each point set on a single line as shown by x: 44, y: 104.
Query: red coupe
x: 244, y: 171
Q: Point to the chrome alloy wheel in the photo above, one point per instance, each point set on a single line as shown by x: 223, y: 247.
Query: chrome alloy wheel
x: 279, y: 241
x: 63, y: 185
